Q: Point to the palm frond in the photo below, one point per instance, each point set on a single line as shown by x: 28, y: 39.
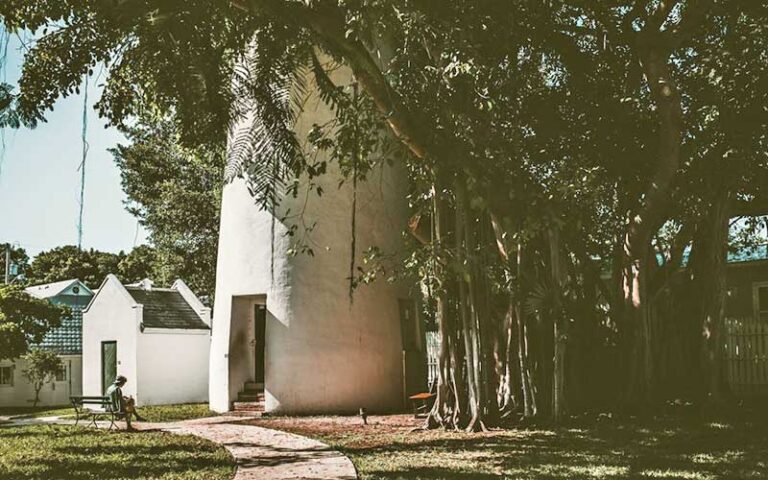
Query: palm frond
x: 542, y: 299
x: 328, y: 91
x: 269, y: 85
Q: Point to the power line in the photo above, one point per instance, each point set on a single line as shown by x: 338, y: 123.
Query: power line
x: 136, y: 234
x: 7, y: 263
x: 82, y: 166
x: 5, y: 39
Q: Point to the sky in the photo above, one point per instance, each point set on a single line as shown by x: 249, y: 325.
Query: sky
x: 40, y: 181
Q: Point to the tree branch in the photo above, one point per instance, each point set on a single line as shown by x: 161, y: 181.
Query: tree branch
x: 327, y: 21
x: 693, y: 16
x: 754, y: 208
x: 638, y: 11
x: 659, y: 16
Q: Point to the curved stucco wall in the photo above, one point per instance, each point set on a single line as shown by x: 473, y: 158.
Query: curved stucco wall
x: 323, y: 352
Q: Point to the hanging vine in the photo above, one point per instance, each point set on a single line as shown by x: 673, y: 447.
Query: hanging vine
x: 353, y: 140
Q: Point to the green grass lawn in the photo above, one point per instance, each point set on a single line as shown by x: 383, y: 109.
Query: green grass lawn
x: 387, y: 449
x: 76, y: 453
x: 174, y: 413
x: 157, y: 413
x: 35, y: 412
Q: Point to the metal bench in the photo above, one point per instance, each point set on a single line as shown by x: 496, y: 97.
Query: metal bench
x: 95, y: 408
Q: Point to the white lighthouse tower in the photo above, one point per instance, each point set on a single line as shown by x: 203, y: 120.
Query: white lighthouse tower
x: 285, y: 335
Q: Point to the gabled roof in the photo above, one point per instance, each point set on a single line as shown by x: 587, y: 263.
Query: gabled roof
x: 49, y: 290
x: 67, y: 338
x: 172, y: 308
x: 166, y: 308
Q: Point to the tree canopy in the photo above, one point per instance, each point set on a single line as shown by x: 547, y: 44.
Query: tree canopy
x: 24, y: 320
x: 175, y: 192
x: 64, y: 263
x: 91, y: 266
x: 547, y: 143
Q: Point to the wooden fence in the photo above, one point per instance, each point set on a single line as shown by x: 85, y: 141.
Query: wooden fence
x: 433, y: 356
x: 745, y: 343
x: 746, y: 355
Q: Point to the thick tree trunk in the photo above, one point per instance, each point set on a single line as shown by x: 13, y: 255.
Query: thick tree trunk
x: 477, y: 232
x: 708, y: 294
x: 446, y: 409
x: 649, y: 217
x: 530, y: 394
x: 714, y: 308
x: 510, y: 384
x: 444, y: 406
x: 471, y: 313
x: 560, y: 326
x: 507, y: 340
x: 638, y: 337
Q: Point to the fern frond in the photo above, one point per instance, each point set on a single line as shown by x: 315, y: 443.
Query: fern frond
x: 269, y: 85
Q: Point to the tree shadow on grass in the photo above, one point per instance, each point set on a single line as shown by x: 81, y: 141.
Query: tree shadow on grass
x: 89, y: 468
x: 11, y: 432
x: 434, y: 473
x: 69, y: 453
x: 614, y: 450
x: 276, y: 456
x: 125, y: 449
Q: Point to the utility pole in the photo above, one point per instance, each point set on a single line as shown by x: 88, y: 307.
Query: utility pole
x: 7, y: 263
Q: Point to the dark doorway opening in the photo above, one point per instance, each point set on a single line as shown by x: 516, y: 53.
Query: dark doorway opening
x: 260, y: 330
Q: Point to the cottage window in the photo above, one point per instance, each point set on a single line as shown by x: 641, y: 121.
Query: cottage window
x: 761, y: 301
x: 61, y: 375
x: 6, y: 376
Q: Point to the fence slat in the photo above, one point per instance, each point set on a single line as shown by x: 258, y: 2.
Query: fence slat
x: 745, y: 355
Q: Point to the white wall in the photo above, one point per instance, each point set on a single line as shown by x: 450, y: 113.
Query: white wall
x: 110, y: 316
x: 21, y: 393
x: 323, y: 353
x: 173, y: 366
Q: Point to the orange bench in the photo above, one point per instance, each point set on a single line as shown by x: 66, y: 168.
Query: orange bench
x: 422, y: 403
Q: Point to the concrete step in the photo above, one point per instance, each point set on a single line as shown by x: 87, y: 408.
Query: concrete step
x: 250, y: 397
x: 246, y: 414
x: 248, y: 406
x: 253, y: 387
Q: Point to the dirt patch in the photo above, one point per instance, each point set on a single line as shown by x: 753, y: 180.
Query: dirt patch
x: 347, y: 430
x: 350, y: 433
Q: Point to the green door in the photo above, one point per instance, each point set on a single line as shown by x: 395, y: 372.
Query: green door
x: 108, y: 364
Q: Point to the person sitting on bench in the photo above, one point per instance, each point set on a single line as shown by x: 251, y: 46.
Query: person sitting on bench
x: 125, y: 405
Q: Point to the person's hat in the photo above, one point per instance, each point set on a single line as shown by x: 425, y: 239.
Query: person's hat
x: 120, y: 379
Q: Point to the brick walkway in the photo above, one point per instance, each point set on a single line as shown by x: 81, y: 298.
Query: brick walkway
x: 264, y: 454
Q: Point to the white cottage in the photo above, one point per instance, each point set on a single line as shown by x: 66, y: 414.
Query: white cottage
x: 65, y: 340
x: 159, y: 338
x: 286, y: 337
